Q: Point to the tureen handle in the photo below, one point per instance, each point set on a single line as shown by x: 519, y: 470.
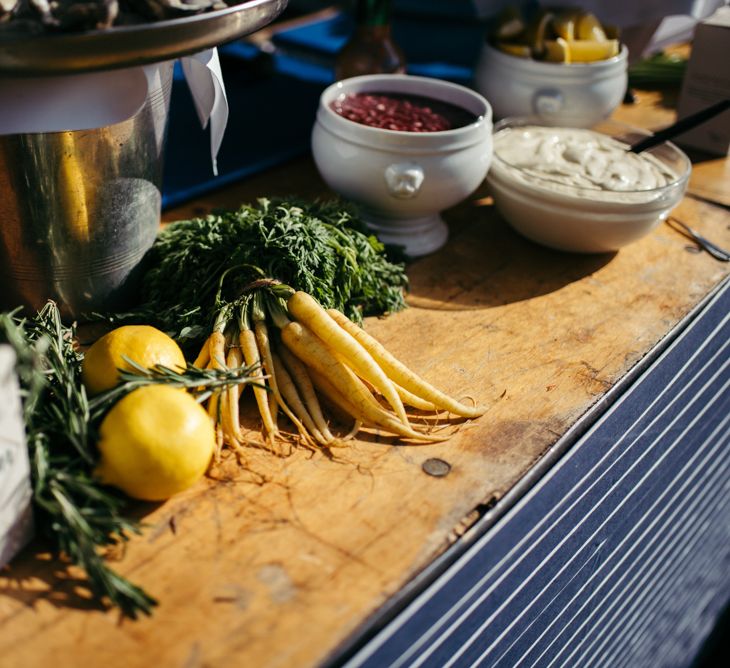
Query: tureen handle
x: 404, y: 179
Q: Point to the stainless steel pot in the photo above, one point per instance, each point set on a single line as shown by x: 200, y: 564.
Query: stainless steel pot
x: 79, y: 209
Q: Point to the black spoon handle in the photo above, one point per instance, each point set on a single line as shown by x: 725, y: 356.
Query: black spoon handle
x: 681, y: 126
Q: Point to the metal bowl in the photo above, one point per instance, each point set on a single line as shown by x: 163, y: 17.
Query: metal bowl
x: 128, y: 46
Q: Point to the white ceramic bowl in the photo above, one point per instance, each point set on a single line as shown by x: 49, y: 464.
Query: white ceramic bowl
x: 571, y: 95
x: 403, y: 180
x: 578, y: 219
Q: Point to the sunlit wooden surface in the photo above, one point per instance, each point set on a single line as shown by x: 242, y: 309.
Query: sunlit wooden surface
x: 277, y: 562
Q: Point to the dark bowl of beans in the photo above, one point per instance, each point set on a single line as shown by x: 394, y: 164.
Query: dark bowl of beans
x: 404, y: 148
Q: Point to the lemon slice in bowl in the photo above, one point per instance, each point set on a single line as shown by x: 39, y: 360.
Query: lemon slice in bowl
x: 588, y: 28
x: 564, y: 23
x: 587, y: 51
x: 537, y: 31
x: 520, y: 50
x: 557, y: 51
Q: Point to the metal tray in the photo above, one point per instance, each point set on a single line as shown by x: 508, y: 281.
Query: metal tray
x: 128, y: 46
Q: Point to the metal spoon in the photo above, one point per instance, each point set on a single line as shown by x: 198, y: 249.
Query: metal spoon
x: 681, y: 126
x: 713, y: 249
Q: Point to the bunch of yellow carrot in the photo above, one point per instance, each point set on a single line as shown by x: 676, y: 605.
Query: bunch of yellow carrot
x: 312, y: 353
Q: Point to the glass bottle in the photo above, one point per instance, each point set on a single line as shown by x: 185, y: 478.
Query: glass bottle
x: 371, y: 49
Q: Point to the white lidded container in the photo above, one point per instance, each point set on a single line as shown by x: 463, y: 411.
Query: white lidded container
x: 402, y: 180
x: 568, y: 94
x: 16, y: 521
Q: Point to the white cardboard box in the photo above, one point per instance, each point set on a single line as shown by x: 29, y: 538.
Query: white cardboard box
x: 706, y: 82
x: 16, y: 518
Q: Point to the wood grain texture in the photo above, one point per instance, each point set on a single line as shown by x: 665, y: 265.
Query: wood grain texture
x: 275, y: 563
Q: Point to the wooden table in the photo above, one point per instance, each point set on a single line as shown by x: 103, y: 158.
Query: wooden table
x: 282, y: 562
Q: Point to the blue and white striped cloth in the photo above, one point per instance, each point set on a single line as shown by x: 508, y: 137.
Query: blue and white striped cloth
x: 618, y: 556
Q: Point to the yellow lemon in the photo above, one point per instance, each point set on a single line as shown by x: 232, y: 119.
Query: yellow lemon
x: 520, y: 50
x: 537, y: 30
x: 155, y: 442
x: 143, y: 344
x: 557, y: 50
x: 589, y: 28
x: 584, y: 51
x: 564, y: 23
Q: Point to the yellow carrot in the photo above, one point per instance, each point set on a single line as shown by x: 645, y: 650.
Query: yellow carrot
x: 250, y: 350
x: 377, y: 420
x: 400, y: 374
x: 410, y: 399
x: 308, y: 312
x: 221, y: 404
x: 219, y: 440
x: 217, y: 349
x: 213, y: 407
x: 291, y: 396
x: 215, y: 346
x: 274, y: 409
x: 337, y: 400
x: 313, y: 352
x: 300, y: 376
x: 234, y: 361
x: 203, y: 357
x: 262, y: 339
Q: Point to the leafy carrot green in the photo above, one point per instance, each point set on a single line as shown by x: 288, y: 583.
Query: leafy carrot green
x: 319, y: 247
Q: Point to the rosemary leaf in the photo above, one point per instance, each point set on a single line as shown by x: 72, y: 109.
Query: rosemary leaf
x: 79, y: 515
x: 73, y: 510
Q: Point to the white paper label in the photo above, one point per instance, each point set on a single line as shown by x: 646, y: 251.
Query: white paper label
x: 15, y: 492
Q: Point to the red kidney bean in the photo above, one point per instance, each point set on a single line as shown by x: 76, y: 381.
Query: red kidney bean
x: 401, y: 113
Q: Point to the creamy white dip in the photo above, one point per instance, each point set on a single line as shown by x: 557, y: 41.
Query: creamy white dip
x: 577, y: 162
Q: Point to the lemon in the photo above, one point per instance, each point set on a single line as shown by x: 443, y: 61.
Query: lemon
x: 155, y: 442
x: 557, y: 50
x: 589, y: 28
x: 520, y: 50
x: 143, y: 344
x: 537, y: 30
x: 564, y: 24
x: 585, y: 51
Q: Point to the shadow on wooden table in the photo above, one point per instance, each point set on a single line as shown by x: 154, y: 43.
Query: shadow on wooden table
x: 487, y: 264
x: 37, y: 576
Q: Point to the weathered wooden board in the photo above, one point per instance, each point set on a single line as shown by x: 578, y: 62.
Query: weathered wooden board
x: 276, y: 563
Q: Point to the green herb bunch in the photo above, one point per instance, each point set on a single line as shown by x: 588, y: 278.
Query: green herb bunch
x: 80, y: 516
x: 321, y: 248
x: 73, y: 510
x: 658, y: 70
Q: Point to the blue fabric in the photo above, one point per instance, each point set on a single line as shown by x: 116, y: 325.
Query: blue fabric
x: 431, y: 45
x: 272, y: 111
x: 273, y: 99
x: 620, y: 556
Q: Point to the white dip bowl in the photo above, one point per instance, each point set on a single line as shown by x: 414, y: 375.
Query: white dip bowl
x: 575, y: 218
x: 402, y: 180
x: 572, y: 95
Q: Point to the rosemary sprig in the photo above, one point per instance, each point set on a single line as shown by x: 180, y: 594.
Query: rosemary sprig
x: 79, y: 515
x: 202, y: 383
